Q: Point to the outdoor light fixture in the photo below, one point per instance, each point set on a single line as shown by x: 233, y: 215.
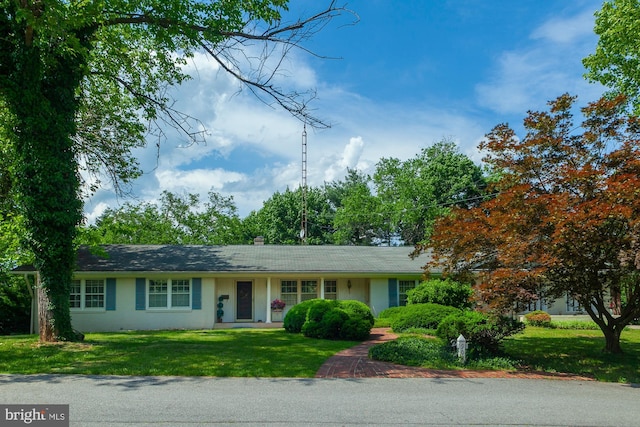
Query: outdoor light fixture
x: 349, y: 285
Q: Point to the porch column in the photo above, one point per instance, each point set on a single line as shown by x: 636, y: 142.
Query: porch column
x: 268, y: 317
x: 322, y: 288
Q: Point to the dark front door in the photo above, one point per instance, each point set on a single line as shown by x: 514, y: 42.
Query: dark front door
x: 244, y: 301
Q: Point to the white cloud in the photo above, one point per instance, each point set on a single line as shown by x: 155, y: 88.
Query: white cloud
x: 527, y: 78
x: 567, y: 30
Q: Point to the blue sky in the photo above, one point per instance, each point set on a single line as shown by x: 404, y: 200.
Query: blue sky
x: 410, y: 73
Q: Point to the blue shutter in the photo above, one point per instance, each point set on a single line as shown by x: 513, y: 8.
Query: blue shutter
x: 141, y: 287
x: 393, y: 292
x: 196, y: 295
x: 111, y: 295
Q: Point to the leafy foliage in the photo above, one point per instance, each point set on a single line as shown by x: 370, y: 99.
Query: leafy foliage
x: 538, y: 318
x: 330, y: 319
x: 566, y: 217
x: 413, y: 351
x: 280, y: 218
x: 415, y: 192
x: 484, y: 333
x: 615, y: 60
x: 296, y: 316
x: 424, y: 316
x: 177, y: 220
x: 15, y: 303
x: 441, y: 291
x: 81, y: 83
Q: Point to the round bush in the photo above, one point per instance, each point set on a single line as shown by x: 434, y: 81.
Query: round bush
x: 355, y: 330
x: 538, y: 318
x: 328, y: 326
x: 358, y: 310
x: 464, y: 323
x: 329, y: 319
x: 296, y: 316
x: 484, y: 333
x: 444, y: 292
x: 424, y: 316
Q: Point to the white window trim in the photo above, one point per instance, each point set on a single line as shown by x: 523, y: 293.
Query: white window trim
x: 400, y: 293
x: 83, y: 294
x: 169, y: 307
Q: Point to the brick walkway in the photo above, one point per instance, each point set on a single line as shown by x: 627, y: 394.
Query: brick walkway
x: 355, y: 363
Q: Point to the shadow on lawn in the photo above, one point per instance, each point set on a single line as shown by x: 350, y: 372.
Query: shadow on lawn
x: 577, y: 352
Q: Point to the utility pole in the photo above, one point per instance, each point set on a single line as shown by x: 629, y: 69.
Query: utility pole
x: 303, y: 225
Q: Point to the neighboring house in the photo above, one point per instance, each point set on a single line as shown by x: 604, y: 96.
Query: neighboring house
x: 180, y: 287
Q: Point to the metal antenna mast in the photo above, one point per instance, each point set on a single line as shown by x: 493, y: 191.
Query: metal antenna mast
x: 303, y: 225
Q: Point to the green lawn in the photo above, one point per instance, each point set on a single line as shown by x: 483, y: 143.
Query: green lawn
x: 577, y: 352
x: 220, y: 353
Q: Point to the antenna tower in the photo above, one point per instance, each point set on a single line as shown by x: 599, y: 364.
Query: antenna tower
x: 303, y: 225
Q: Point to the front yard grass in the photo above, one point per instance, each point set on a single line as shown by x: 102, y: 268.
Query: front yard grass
x: 219, y: 353
x: 577, y: 352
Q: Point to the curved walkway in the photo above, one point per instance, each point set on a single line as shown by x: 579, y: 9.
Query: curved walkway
x: 355, y: 363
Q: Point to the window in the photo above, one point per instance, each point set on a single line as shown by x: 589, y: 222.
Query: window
x: 88, y: 293
x: 75, y: 298
x: 309, y: 290
x: 180, y: 293
x: 157, y: 294
x: 289, y: 292
x: 169, y: 293
x: 94, y: 294
x: 330, y: 289
x: 404, y: 286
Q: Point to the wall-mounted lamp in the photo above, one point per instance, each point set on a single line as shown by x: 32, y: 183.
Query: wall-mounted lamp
x: 349, y: 285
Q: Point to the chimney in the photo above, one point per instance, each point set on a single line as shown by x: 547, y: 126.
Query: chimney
x: 258, y: 241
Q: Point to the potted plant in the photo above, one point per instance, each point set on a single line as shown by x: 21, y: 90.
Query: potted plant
x: 277, y: 304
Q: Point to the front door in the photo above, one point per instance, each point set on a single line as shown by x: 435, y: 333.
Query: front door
x: 244, y: 301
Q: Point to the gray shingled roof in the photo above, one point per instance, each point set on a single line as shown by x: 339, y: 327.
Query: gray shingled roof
x: 252, y: 259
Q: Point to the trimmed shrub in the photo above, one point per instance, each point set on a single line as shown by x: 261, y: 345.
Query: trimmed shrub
x: 355, y: 329
x: 484, y: 333
x: 359, y: 310
x: 327, y: 322
x: 442, y: 291
x: 329, y: 319
x: 391, y: 312
x: 413, y: 351
x: 296, y: 316
x: 424, y: 316
x: 538, y: 318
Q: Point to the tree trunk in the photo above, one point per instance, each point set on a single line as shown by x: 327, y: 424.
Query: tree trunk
x: 45, y: 316
x: 43, y: 104
x: 612, y: 339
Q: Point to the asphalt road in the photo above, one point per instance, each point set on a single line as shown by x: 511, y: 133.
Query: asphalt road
x: 178, y: 401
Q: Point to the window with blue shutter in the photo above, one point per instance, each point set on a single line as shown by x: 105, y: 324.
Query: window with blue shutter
x: 393, y: 292
x: 111, y: 295
x: 141, y: 286
x: 196, y: 295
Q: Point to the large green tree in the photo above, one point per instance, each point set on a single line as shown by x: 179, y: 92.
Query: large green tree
x: 358, y: 220
x: 279, y: 220
x: 616, y: 60
x: 178, y: 220
x: 415, y: 192
x: 80, y: 81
